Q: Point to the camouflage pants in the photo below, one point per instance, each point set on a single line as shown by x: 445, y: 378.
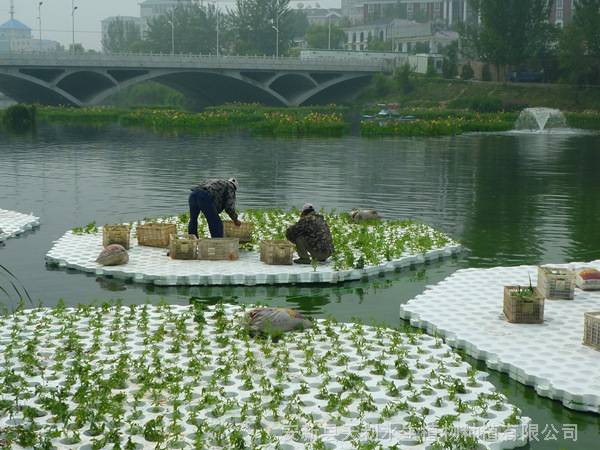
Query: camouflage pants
x: 306, y: 255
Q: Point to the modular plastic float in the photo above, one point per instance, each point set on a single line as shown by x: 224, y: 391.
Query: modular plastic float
x: 13, y: 223
x: 312, y: 387
x: 466, y: 308
x: 151, y: 265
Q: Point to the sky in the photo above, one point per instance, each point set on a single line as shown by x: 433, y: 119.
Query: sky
x: 56, y: 17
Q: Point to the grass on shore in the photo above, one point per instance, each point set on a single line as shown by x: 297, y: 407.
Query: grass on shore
x: 427, y: 92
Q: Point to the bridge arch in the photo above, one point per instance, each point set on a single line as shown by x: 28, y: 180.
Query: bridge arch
x: 81, y: 81
x: 25, y: 88
x: 208, y: 87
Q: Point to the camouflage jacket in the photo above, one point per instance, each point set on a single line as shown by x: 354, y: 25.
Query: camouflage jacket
x: 315, y: 231
x: 222, y: 194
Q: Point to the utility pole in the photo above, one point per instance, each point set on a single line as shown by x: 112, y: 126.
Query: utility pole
x: 40, y: 22
x: 172, y: 22
x: 278, y: 14
x: 73, y: 9
x: 329, y: 31
x: 218, y: 16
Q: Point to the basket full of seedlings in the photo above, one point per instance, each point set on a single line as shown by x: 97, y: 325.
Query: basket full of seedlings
x: 523, y: 304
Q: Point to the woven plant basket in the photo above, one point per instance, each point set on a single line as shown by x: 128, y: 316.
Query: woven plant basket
x: 219, y: 249
x: 591, y: 329
x: 116, y: 234
x: 520, y: 310
x: 277, y: 253
x: 243, y: 232
x: 155, y: 234
x: 183, y: 247
x: 556, y: 283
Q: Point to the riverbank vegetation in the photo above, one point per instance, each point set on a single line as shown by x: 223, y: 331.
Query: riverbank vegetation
x: 257, y: 119
x: 439, y: 126
x: 19, y: 118
x: 463, y: 115
x: 436, y: 92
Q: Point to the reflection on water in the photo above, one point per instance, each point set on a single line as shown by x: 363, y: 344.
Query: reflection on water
x: 510, y: 198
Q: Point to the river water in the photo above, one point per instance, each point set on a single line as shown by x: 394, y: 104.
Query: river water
x: 511, y: 199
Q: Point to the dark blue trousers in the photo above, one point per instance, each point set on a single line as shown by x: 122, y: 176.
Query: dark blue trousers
x: 200, y: 201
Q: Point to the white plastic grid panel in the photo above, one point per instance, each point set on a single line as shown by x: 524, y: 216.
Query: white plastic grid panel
x: 466, y: 309
x: 213, y: 353
x: 13, y: 223
x: 151, y: 265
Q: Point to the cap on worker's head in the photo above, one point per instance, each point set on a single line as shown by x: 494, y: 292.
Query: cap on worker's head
x: 308, y: 207
x: 235, y: 183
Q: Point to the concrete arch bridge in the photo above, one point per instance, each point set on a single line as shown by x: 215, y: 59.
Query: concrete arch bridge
x: 88, y: 79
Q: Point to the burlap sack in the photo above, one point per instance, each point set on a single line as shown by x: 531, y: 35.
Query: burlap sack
x: 113, y: 255
x: 276, y: 319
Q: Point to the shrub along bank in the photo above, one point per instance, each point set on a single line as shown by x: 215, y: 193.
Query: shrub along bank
x: 469, y: 114
x: 323, y: 121
x: 431, y: 92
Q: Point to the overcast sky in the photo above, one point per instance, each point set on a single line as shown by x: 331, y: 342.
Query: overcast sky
x: 56, y: 17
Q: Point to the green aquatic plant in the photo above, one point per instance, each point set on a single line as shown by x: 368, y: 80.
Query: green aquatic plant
x: 90, y: 228
x: 112, y: 376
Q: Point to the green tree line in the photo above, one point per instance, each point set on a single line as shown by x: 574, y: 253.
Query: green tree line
x: 506, y: 34
x: 517, y: 33
x: 250, y: 27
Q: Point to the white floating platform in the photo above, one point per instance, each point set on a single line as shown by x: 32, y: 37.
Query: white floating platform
x: 197, y: 380
x: 13, y: 223
x: 466, y: 309
x: 151, y: 265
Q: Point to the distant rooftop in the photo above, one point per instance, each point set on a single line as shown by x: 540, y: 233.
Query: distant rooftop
x: 162, y: 2
x: 14, y: 24
x: 125, y: 18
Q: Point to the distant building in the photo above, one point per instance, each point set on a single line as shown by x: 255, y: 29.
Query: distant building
x: 449, y: 12
x: 46, y: 45
x: 406, y: 36
x: 562, y: 12
x: 109, y: 20
x: 15, y: 36
x: 323, y: 16
x: 420, y: 63
x: 149, y: 9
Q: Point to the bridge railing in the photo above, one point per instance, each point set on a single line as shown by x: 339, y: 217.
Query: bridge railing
x: 157, y: 60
